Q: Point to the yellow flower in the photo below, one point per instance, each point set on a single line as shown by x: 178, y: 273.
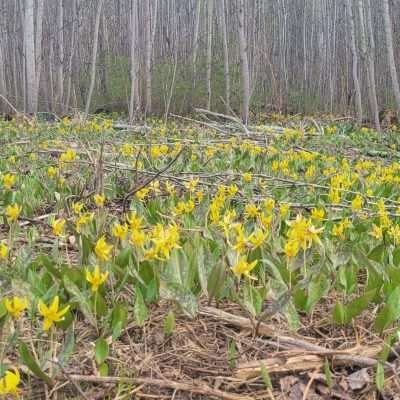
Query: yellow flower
x: 170, y: 188
x: 77, y: 207
x: 96, y: 278
x: 357, y: 203
x: 13, y: 212
x: 269, y: 205
x: 251, y: 210
x: 141, y: 194
x: 51, y: 172
x: 291, y: 248
x: 318, y: 214
x: 266, y: 220
x: 3, y: 250
x: 284, y: 210
x: 15, y: 306
x: 376, y: 232
x: 8, y: 180
x: 134, y: 221
x: 51, y: 314
x: 232, y: 190
x: 257, y: 238
x: 120, y: 231
x: 243, y: 268
x: 83, y: 220
x: 334, y: 196
x: 302, y: 232
x: 69, y: 155
x: 247, y: 177
x: 9, y: 383
x: 199, y: 195
x: 192, y: 184
x: 99, y: 200
x: 58, y: 226
x: 102, y: 249
x: 137, y: 238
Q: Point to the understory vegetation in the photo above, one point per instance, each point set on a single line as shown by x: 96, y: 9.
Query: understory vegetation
x: 198, y: 258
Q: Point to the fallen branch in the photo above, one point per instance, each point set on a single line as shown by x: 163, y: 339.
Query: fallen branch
x: 148, y: 181
x: 198, y: 388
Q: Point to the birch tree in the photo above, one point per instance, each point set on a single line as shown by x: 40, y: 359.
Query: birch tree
x: 30, y: 60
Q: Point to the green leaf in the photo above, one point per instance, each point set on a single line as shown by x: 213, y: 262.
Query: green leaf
x: 201, y: 269
x: 266, y: 377
x: 103, y: 369
x: 232, y: 354
x: 328, y: 374
x: 68, y: 348
x: 80, y: 298
x: 215, y: 280
x: 119, y: 320
x: 356, y: 306
x: 169, y: 323
x: 29, y: 361
x: 317, y: 288
x: 384, y: 318
x: 101, y: 350
x: 123, y: 257
x: 140, y: 309
x: 376, y: 254
x: 380, y: 377
x: 339, y: 314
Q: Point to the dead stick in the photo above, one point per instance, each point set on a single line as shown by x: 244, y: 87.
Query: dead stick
x: 199, y: 388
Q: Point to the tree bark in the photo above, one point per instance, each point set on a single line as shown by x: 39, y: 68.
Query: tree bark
x: 94, y: 57
x: 226, y: 57
x: 243, y: 62
x: 356, y: 81
x: 210, y: 15
x: 387, y: 23
x: 133, y: 103
x: 30, y: 60
x: 147, y: 57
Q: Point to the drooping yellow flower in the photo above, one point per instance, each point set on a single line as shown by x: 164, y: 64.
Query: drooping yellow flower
x: 9, y: 383
x: 96, y: 278
x: 318, y: 214
x: 192, y: 184
x: 99, y: 200
x: 257, y: 238
x: 284, y: 210
x: 137, y: 238
x: 77, y: 207
x: 102, y: 249
x: 251, y: 210
x: 51, y: 314
x: 269, y: 205
x: 83, y: 220
x: 16, y: 306
x: 120, y: 231
x: 51, y: 172
x: 58, y: 226
x: 3, y: 251
x: 377, y: 232
x: 291, y: 248
x: 247, y: 177
x: 8, y: 180
x: 243, y: 268
x: 357, y: 203
x: 134, y: 221
x: 69, y: 155
x: 302, y: 232
x: 13, y: 211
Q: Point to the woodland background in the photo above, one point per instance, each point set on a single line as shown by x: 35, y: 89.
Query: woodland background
x: 158, y: 56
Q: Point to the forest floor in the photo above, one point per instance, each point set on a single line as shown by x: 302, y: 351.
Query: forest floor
x: 199, y: 260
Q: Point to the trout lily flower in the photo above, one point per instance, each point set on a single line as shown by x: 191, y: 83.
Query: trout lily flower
x: 52, y: 313
x: 16, y: 306
x: 95, y: 278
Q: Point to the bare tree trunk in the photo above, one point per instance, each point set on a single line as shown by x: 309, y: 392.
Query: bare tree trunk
x: 244, y: 62
x: 30, y: 61
x: 94, y: 57
x: 71, y: 56
x: 390, y: 52
x: 367, y: 57
x: 3, y: 86
x: 38, y: 43
x: 355, y: 62
x: 147, y: 58
x: 210, y: 15
x: 60, y: 54
x: 133, y: 103
x: 226, y: 57
x: 196, y: 39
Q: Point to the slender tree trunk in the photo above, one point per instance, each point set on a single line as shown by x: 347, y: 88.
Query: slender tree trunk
x: 390, y: 52
x: 71, y: 56
x: 133, y: 103
x: 226, y: 57
x: 210, y: 15
x: 367, y: 58
x: 30, y: 61
x: 147, y: 58
x: 38, y: 44
x: 60, y: 54
x: 355, y: 62
x: 196, y: 39
x: 244, y: 62
x: 94, y: 57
